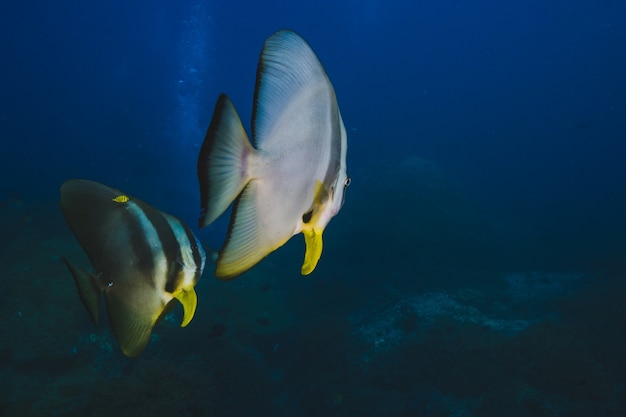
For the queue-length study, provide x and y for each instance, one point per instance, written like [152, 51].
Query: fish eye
[347, 181]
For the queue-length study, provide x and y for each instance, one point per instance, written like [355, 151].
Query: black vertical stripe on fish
[169, 247]
[195, 251]
[135, 229]
[190, 256]
[335, 150]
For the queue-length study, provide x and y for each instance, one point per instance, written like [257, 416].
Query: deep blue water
[487, 148]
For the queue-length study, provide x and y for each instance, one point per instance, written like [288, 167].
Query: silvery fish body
[293, 177]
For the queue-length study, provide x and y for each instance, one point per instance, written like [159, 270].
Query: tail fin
[222, 164]
[88, 289]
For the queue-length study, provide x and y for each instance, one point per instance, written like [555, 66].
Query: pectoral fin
[88, 289]
[313, 242]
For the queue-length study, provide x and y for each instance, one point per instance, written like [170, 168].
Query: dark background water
[523, 103]
[485, 137]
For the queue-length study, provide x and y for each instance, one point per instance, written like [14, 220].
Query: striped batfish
[143, 259]
[292, 178]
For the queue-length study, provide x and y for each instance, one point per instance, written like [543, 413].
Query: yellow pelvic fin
[313, 242]
[121, 199]
[189, 300]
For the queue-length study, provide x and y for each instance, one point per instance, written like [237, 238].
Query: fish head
[192, 260]
[187, 270]
[330, 192]
[332, 205]
[328, 199]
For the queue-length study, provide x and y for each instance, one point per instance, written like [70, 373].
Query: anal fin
[132, 325]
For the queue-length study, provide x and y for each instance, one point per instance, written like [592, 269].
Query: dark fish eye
[347, 181]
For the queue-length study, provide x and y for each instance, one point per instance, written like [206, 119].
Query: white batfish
[292, 178]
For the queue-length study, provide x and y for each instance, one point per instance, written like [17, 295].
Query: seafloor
[429, 310]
